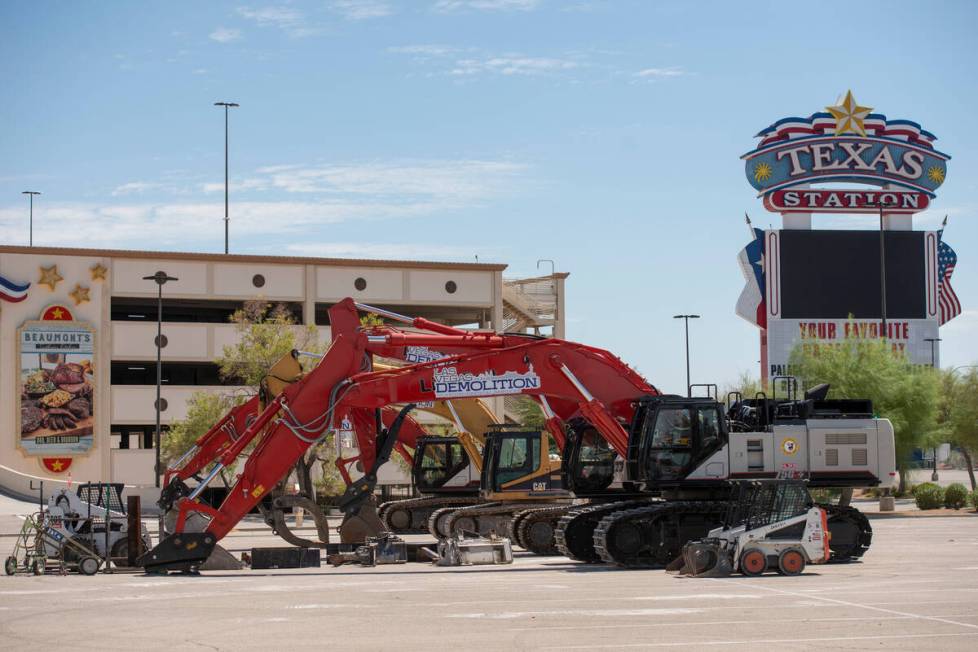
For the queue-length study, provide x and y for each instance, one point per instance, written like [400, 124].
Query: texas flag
[12, 292]
[751, 304]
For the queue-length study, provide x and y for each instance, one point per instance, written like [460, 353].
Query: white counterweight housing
[826, 452]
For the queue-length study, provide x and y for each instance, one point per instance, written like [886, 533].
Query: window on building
[174, 373]
[204, 311]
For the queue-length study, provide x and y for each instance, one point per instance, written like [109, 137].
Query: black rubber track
[575, 530]
[851, 533]
[530, 529]
[420, 510]
[653, 535]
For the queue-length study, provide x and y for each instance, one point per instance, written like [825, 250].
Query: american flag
[946, 260]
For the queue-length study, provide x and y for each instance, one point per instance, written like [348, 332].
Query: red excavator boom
[568, 378]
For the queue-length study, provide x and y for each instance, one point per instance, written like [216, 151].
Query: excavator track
[574, 536]
[535, 529]
[653, 535]
[851, 533]
[485, 518]
[410, 516]
[438, 523]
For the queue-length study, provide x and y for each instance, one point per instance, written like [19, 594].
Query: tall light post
[686, 318]
[30, 235]
[880, 204]
[160, 278]
[933, 355]
[226, 105]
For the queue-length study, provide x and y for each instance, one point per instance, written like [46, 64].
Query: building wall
[446, 288]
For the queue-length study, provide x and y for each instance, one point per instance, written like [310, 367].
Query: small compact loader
[770, 525]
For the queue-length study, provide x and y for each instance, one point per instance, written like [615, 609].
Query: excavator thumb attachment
[185, 551]
[275, 517]
[361, 523]
[703, 559]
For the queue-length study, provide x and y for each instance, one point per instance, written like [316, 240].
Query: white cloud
[660, 73]
[384, 250]
[446, 180]
[225, 34]
[329, 194]
[134, 187]
[188, 225]
[445, 6]
[512, 65]
[361, 9]
[274, 16]
[287, 19]
[426, 50]
[236, 186]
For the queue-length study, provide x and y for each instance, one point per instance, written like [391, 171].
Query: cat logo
[789, 446]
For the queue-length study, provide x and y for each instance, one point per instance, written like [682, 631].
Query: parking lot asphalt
[916, 589]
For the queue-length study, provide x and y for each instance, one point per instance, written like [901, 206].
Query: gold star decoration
[79, 294]
[98, 271]
[57, 465]
[50, 277]
[58, 313]
[936, 175]
[849, 116]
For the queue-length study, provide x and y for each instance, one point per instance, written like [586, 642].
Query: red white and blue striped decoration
[12, 292]
[946, 261]
[823, 124]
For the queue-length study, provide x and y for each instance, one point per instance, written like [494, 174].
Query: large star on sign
[50, 277]
[79, 294]
[849, 116]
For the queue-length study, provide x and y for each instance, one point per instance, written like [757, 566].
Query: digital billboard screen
[834, 274]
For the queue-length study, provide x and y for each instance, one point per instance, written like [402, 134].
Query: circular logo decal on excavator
[789, 446]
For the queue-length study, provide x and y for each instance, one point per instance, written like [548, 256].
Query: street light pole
[160, 278]
[686, 318]
[881, 205]
[226, 105]
[933, 357]
[30, 235]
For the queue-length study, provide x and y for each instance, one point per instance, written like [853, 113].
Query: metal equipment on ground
[466, 550]
[387, 548]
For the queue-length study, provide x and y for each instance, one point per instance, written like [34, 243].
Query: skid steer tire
[753, 562]
[791, 562]
[88, 566]
[37, 567]
[10, 565]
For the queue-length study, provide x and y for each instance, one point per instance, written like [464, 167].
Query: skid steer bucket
[704, 559]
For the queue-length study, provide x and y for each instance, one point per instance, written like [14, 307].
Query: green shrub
[974, 499]
[922, 486]
[931, 497]
[955, 496]
[824, 495]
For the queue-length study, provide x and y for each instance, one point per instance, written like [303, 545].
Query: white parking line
[712, 623]
[853, 604]
[761, 641]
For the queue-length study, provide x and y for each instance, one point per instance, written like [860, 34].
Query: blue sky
[603, 135]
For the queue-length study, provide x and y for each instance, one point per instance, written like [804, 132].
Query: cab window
[709, 424]
[673, 429]
[517, 457]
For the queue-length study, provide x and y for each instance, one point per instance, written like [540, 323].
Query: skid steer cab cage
[758, 503]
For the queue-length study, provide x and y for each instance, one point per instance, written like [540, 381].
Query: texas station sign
[812, 289]
[845, 144]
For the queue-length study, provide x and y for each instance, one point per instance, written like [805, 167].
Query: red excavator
[580, 385]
